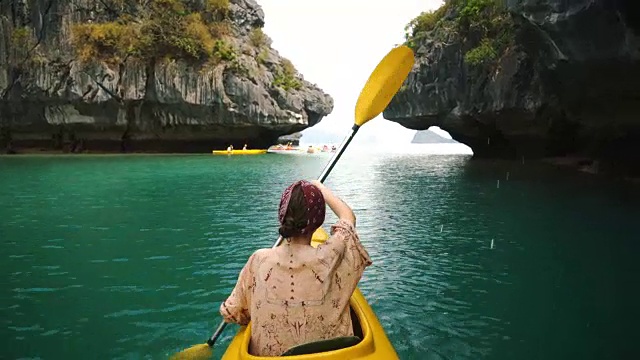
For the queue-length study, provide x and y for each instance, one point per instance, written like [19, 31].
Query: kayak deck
[239, 152]
[374, 344]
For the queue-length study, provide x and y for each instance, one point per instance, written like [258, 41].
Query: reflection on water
[426, 237]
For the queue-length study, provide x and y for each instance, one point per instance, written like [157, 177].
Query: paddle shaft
[341, 149]
[216, 334]
[322, 178]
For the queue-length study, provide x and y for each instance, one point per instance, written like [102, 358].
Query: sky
[336, 44]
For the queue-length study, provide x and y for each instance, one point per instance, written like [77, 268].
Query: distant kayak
[285, 150]
[239, 152]
[298, 150]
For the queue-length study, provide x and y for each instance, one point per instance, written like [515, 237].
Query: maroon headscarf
[315, 205]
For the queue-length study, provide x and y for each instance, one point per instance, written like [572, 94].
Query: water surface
[129, 257]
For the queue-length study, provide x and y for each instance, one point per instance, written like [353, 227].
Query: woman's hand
[318, 184]
[337, 205]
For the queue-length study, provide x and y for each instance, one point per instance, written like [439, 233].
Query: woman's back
[298, 294]
[295, 293]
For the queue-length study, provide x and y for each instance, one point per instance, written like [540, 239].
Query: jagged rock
[567, 85]
[49, 99]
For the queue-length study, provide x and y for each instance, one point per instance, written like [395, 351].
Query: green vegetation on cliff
[196, 32]
[258, 38]
[162, 29]
[286, 76]
[23, 46]
[484, 25]
[421, 25]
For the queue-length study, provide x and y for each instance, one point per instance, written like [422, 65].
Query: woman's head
[302, 210]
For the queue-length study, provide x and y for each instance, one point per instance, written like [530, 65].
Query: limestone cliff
[529, 78]
[146, 75]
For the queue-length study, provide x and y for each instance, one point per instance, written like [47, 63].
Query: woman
[296, 293]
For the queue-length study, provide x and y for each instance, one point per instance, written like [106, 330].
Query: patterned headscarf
[315, 205]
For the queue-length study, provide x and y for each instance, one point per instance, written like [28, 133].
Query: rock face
[565, 83]
[51, 100]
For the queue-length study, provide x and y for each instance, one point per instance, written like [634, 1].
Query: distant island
[430, 137]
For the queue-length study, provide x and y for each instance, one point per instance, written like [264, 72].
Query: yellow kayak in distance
[371, 343]
[240, 152]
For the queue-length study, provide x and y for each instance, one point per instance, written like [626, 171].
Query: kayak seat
[323, 345]
[330, 344]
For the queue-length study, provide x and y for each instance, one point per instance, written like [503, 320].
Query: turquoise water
[129, 257]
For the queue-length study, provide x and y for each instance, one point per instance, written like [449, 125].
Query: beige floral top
[295, 293]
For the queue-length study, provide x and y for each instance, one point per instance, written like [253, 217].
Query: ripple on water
[35, 290]
[159, 257]
[50, 332]
[101, 228]
[169, 287]
[52, 247]
[22, 256]
[124, 313]
[124, 289]
[46, 267]
[31, 328]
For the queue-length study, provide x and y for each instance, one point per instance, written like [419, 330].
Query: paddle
[383, 84]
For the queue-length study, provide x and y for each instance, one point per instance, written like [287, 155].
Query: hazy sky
[336, 44]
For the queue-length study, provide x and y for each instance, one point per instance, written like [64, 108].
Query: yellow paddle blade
[384, 83]
[196, 352]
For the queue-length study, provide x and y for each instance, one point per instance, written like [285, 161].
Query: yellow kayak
[374, 344]
[239, 152]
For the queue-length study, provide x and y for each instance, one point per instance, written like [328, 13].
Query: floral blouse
[295, 293]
